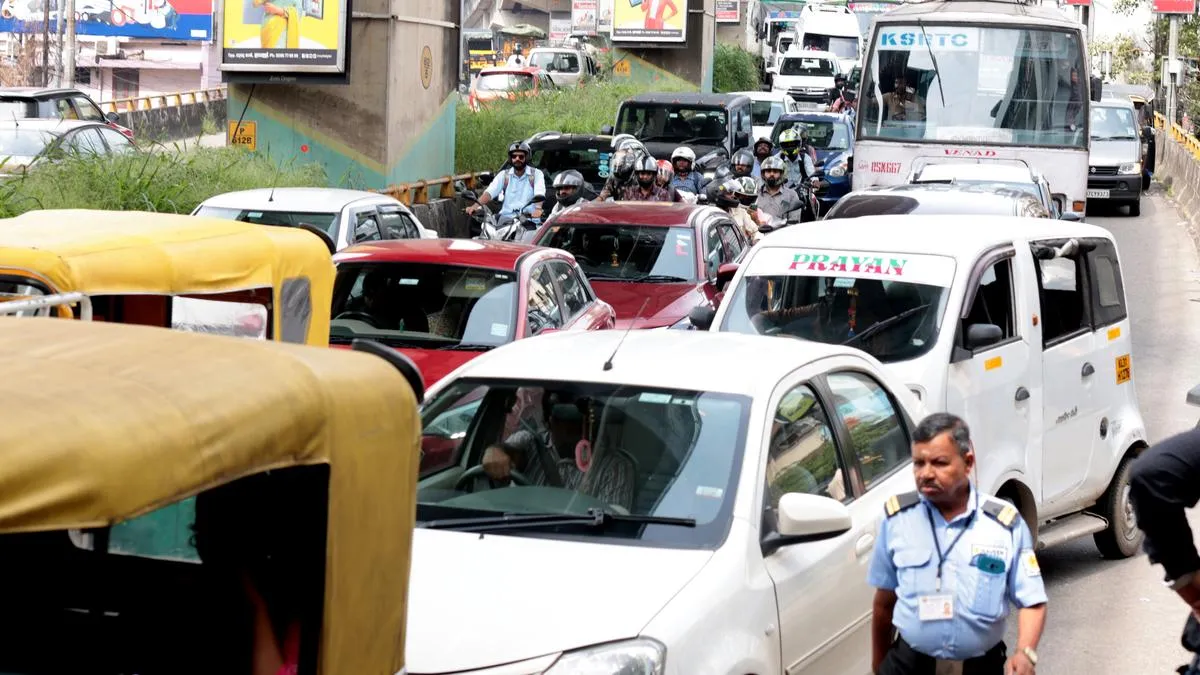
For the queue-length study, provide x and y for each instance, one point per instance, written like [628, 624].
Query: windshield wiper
[933, 60]
[464, 347]
[657, 279]
[605, 276]
[595, 518]
[890, 321]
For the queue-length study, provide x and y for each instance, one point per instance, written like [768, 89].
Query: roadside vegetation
[170, 181]
[734, 69]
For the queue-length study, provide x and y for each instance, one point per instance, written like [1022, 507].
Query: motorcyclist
[567, 187]
[800, 164]
[740, 166]
[647, 189]
[627, 151]
[777, 203]
[839, 89]
[519, 185]
[732, 196]
[686, 179]
[763, 148]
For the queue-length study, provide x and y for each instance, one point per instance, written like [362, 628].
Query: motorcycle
[520, 228]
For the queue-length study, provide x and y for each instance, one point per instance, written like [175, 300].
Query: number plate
[1097, 194]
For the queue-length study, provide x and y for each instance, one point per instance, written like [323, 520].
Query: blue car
[832, 135]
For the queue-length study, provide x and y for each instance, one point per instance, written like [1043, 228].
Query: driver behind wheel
[532, 453]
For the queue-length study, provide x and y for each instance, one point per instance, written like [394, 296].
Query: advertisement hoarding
[284, 37]
[583, 17]
[604, 20]
[560, 28]
[1174, 6]
[727, 11]
[155, 19]
[649, 21]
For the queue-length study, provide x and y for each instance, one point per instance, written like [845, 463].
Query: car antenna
[608, 363]
[274, 182]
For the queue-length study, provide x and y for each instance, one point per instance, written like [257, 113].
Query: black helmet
[839, 78]
[568, 179]
[646, 165]
[727, 197]
[520, 146]
[742, 158]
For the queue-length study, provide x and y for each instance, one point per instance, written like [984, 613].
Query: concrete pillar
[394, 121]
[680, 64]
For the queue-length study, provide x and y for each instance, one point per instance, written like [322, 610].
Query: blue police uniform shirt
[519, 191]
[906, 561]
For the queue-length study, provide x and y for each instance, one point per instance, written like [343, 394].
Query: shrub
[734, 69]
[170, 181]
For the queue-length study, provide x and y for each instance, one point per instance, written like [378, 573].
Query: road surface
[1109, 617]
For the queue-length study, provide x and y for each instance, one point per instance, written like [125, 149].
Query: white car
[807, 77]
[994, 174]
[723, 525]
[348, 217]
[1019, 325]
[766, 107]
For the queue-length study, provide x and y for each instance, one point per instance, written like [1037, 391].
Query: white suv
[1019, 325]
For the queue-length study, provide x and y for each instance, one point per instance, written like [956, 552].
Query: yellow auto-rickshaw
[194, 273]
[186, 504]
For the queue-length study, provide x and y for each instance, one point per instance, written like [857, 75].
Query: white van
[1019, 325]
[831, 28]
[807, 77]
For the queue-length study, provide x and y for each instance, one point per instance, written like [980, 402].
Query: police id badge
[935, 607]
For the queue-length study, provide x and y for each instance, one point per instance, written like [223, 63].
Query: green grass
[734, 69]
[168, 181]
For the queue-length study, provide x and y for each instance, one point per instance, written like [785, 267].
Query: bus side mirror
[1097, 88]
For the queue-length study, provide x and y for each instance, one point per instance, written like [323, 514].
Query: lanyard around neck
[942, 555]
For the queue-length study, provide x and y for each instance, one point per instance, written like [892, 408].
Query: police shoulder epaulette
[1002, 512]
[897, 503]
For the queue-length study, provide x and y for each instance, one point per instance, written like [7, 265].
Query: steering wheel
[359, 316]
[474, 472]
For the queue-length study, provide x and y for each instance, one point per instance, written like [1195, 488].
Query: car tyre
[1122, 538]
[1135, 208]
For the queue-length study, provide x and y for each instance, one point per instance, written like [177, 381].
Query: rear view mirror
[1097, 88]
[702, 316]
[606, 130]
[113, 117]
[802, 517]
[982, 335]
[741, 139]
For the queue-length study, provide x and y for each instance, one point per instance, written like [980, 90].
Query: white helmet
[683, 152]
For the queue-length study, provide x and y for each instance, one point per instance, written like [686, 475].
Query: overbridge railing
[423, 191]
[164, 100]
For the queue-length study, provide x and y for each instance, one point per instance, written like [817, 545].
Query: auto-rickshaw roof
[120, 252]
[105, 422]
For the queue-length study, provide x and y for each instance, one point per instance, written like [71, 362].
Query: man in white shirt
[516, 60]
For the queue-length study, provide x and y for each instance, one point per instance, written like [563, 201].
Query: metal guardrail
[47, 302]
[164, 100]
[1179, 135]
[419, 192]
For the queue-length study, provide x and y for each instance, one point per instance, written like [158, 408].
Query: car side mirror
[702, 316]
[399, 361]
[1147, 132]
[725, 274]
[982, 335]
[113, 117]
[802, 518]
[741, 139]
[606, 130]
[1071, 216]
[1097, 89]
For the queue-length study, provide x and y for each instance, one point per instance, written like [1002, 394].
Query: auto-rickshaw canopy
[104, 422]
[123, 253]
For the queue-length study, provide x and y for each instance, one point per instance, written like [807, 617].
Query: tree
[1127, 63]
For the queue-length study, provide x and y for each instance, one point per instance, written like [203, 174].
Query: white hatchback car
[348, 217]
[766, 107]
[701, 516]
[995, 174]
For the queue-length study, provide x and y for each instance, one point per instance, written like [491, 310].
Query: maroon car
[653, 262]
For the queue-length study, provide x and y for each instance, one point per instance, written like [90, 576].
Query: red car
[444, 301]
[651, 261]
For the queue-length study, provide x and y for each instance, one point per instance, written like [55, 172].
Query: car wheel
[1135, 208]
[1122, 538]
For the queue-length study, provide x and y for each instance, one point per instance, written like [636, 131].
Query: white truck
[765, 20]
[831, 28]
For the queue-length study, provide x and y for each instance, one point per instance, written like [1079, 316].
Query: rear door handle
[1022, 394]
[1088, 370]
[864, 545]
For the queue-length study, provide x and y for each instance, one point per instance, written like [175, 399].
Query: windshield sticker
[936, 38]
[918, 268]
[821, 262]
[408, 282]
[843, 282]
[500, 329]
[474, 285]
[651, 397]
[709, 492]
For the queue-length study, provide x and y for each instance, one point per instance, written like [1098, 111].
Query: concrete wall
[385, 127]
[1178, 169]
[174, 123]
[683, 62]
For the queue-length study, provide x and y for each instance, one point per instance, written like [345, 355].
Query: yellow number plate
[245, 135]
[622, 68]
[1124, 369]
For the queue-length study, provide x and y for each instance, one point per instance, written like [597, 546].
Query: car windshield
[1030, 189]
[765, 113]
[323, 221]
[823, 134]
[841, 47]
[504, 82]
[24, 143]
[672, 123]
[807, 66]
[640, 453]
[627, 252]
[1113, 124]
[422, 305]
[555, 62]
[591, 162]
[889, 305]
[938, 83]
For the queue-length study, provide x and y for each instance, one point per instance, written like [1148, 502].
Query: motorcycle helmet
[773, 164]
[567, 185]
[520, 146]
[746, 191]
[726, 197]
[666, 173]
[646, 169]
[789, 142]
[764, 141]
[628, 151]
[683, 154]
[742, 162]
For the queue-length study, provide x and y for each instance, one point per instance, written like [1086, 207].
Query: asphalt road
[1115, 616]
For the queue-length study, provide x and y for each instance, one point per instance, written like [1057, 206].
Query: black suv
[42, 103]
[713, 125]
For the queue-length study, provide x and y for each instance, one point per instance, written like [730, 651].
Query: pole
[708, 38]
[70, 51]
[1172, 54]
[58, 46]
[45, 43]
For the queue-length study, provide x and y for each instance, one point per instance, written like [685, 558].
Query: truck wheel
[1122, 538]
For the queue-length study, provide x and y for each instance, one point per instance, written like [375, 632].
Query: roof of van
[956, 10]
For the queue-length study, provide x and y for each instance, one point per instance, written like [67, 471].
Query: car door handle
[1022, 394]
[864, 545]
[1088, 370]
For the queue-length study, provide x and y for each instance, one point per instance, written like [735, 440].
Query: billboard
[1174, 6]
[560, 28]
[649, 21]
[155, 19]
[604, 20]
[727, 11]
[583, 17]
[284, 37]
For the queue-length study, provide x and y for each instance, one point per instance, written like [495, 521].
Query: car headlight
[1130, 168]
[642, 656]
[837, 170]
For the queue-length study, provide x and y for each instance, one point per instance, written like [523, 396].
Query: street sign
[245, 135]
[1174, 6]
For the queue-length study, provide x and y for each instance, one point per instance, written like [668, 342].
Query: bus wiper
[933, 59]
[595, 518]
[881, 325]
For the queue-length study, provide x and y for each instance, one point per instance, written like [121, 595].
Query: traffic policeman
[947, 562]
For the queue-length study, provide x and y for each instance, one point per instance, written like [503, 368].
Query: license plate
[1097, 194]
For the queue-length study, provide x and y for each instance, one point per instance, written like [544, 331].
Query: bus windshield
[975, 84]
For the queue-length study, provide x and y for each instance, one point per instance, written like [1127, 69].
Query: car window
[714, 250]
[63, 109]
[397, 224]
[1108, 296]
[87, 109]
[366, 226]
[117, 142]
[87, 141]
[993, 303]
[543, 311]
[878, 438]
[803, 455]
[575, 295]
[731, 243]
[1061, 290]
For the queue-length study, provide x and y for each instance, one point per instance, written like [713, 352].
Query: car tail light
[128, 133]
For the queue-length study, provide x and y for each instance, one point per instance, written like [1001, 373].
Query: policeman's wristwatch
[1030, 654]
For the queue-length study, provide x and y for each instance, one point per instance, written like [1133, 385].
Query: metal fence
[164, 100]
